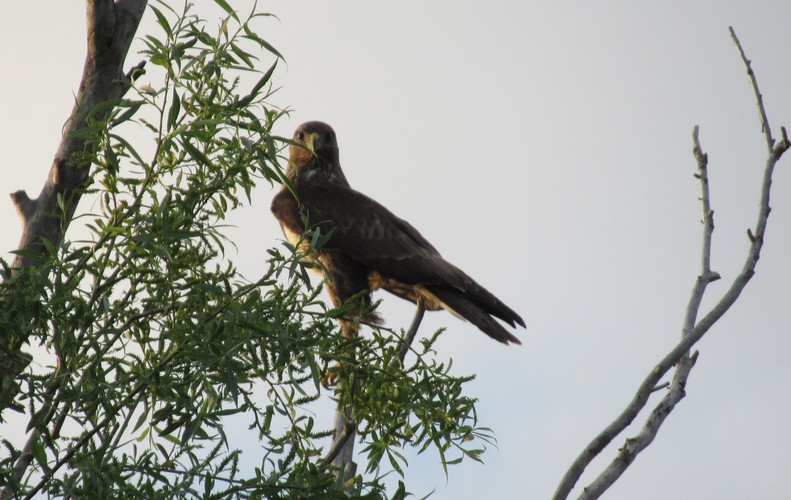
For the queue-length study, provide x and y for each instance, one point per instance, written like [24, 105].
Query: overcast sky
[544, 148]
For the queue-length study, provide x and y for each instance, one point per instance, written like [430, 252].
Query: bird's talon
[332, 377]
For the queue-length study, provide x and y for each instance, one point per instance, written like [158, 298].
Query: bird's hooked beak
[313, 142]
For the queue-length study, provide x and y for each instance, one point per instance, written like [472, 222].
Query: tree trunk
[110, 29]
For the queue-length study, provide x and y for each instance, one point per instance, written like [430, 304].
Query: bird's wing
[369, 233]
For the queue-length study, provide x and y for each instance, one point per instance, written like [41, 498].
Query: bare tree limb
[339, 442]
[758, 97]
[343, 444]
[111, 26]
[675, 394]
[692, 331]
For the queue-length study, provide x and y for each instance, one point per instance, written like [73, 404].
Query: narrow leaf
[175, 109]
[227, 8]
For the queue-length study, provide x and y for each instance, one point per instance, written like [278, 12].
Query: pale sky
[544, 148]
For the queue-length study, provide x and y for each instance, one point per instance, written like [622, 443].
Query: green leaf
[39, 453]
[227, 8]
[195, 153]
[162, 21]
[128, 148]
[263, 43]
[175, 109]
[244, 56]
[265, 78]
[132, 108]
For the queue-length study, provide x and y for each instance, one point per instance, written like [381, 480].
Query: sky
[545, 148]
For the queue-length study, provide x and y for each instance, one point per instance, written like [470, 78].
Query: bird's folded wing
[369, 233]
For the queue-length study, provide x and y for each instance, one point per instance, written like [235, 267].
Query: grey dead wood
[693, 329]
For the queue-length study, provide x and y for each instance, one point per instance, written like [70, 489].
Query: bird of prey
[369, 247]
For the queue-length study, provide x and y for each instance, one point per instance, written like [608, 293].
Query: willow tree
[147, 340]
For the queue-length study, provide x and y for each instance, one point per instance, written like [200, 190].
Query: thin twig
[706, 276]
[661, 386]
[770, 142]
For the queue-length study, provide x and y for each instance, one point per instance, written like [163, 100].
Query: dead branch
[111, 27]
[693, 330]
[770, 142]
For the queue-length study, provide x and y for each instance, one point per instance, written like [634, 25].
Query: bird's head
[313, 157]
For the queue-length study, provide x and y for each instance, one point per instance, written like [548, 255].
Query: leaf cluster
[418, 404]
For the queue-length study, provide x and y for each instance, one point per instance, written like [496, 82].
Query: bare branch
[706, 275]
[770, 142]
[342, 449]
[693, 330]
[111, 27]
[339, 442]
[410, 334]
[633, 446]
[24, 205]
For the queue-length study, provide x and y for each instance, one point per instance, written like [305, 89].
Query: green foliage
[420, 404]
[154, 345]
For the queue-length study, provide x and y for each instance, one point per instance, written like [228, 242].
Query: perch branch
[693, 331]
[410, 334]
[338, 443]
[343, 444]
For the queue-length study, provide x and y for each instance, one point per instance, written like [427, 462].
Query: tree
[154, 340]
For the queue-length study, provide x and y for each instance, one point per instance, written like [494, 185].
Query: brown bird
[370, 247]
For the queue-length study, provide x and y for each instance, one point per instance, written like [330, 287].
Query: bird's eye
[300, 136]
[328, 137]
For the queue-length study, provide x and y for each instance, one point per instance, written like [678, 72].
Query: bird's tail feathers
[473, 311]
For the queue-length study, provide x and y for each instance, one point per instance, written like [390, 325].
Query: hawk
[369, 247]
